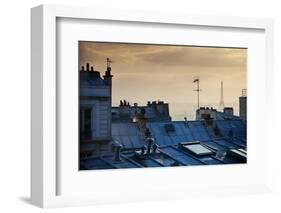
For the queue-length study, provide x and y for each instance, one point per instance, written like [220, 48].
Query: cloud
[154, 56]
[197, 57]
[144, 72]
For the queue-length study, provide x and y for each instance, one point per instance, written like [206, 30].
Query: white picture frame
[45, 168]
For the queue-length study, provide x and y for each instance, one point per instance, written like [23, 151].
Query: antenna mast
[108, 61]
[244, 92]
[197, 81]
[221, 105]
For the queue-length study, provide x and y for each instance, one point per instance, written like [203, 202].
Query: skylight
[198, 149]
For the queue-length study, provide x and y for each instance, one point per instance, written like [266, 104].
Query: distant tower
[197, 81]
[243, 105]
[221, 105]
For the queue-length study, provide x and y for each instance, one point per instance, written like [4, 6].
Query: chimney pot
[149, 144]
[118, 152]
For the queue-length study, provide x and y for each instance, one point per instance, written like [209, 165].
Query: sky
[145, 72]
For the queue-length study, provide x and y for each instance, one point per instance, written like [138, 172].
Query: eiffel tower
[221, 104]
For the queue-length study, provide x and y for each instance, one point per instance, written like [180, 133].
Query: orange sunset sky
[151, 72]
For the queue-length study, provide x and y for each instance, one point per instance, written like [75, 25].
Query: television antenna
[108, 62]
[198, 90]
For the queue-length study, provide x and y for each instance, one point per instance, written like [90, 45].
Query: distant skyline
[150, 72]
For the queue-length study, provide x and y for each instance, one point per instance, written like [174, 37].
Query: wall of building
[243, 108]
[153, 111]
[95, 95]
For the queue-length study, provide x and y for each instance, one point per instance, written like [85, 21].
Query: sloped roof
[127, 134]
[170, 140]
[130, 136]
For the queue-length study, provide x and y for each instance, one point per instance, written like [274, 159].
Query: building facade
[243, 106]
[94, 110]
[153, 111]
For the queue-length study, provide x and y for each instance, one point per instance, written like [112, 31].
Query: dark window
[206, 116]
[85, 123]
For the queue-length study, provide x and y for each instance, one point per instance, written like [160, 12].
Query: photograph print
[152, 105]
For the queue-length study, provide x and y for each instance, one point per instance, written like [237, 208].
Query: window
[85, 119]
[198, 149]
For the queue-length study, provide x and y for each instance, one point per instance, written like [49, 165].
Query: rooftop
[176, 143]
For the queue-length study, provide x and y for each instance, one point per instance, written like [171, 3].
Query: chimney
[243, 106]
[87, 67]
[149, 144]
[118, 152]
